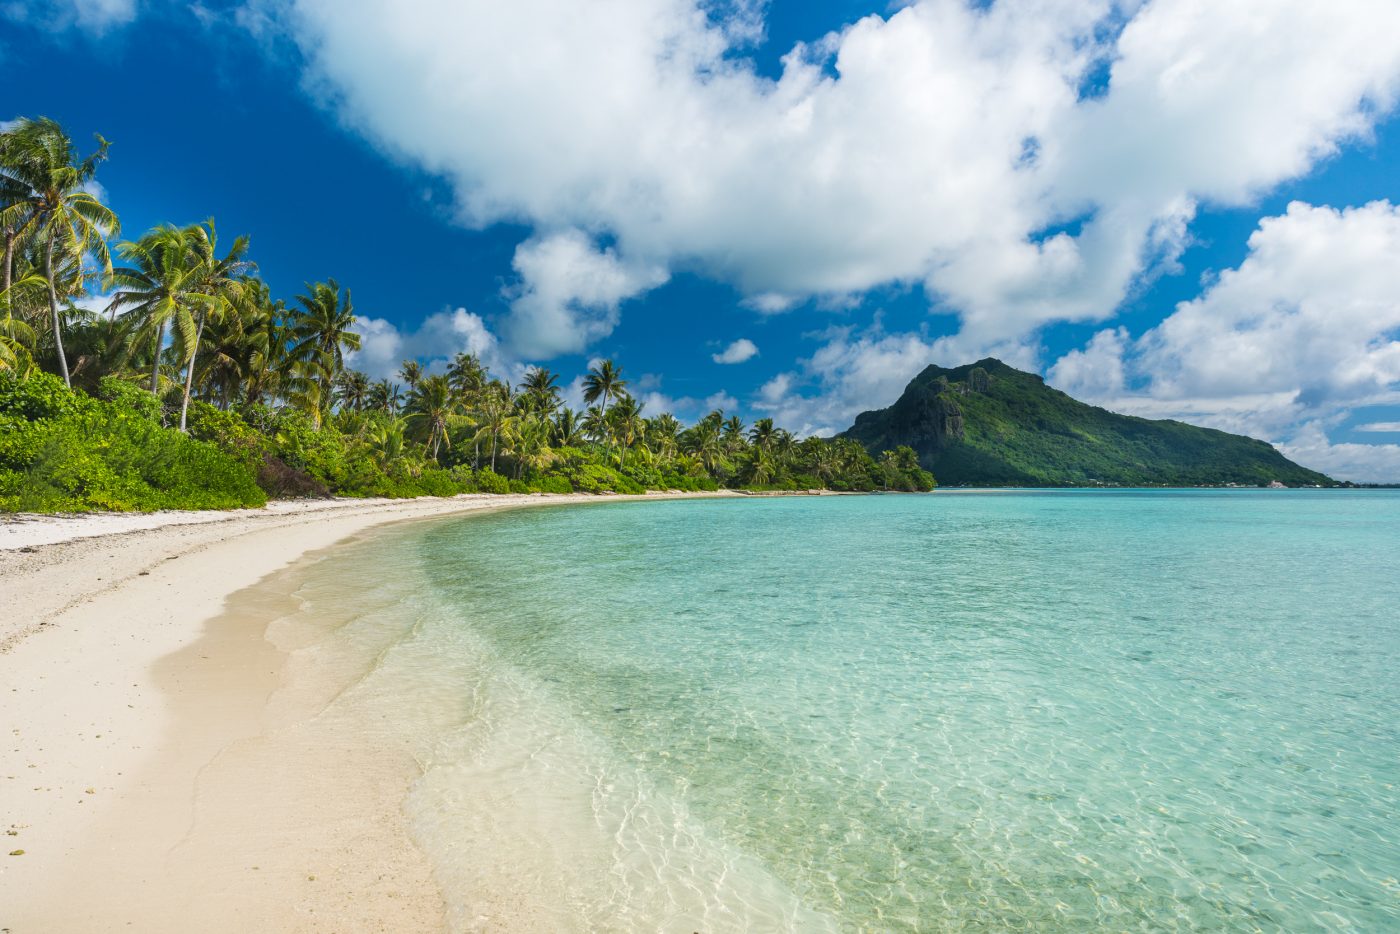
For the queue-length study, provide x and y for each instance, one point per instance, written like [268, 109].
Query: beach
[163, 768]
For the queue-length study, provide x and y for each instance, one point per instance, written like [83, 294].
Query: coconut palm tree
[411, 371]
[663, 432]
[17, 337]
[320, 330]
[763, 434]
[46, 195]
[353, 390]
[157, 288]
[540, 391]
[603, 382]
[568, 431]
[626, 421]
[433, 410]
[384, 396]
[218, 284]
[494, 416]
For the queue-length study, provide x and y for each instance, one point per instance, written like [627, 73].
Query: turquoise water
[1047, 711]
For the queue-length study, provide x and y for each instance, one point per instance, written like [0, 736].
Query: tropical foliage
[190, 385]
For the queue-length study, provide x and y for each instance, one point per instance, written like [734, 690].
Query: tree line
[188, 325]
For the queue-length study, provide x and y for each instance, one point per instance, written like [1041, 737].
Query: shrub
[140, 401]
[551, 484]
[488, 481]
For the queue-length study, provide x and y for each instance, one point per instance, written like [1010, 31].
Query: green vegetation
[195, 388]
[987, 424]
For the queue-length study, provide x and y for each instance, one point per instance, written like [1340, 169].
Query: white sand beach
[147, 780]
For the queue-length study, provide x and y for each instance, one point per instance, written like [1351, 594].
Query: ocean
[965, 711]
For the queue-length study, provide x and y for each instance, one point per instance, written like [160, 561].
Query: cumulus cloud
[569, 293]
[741, 350]
[947, 144]
[1304, 330]
[440, 337]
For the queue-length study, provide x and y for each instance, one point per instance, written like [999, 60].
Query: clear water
[1053, 711]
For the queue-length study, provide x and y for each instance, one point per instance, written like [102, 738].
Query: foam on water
[1036, 711]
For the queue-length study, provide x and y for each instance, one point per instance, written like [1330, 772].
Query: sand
[163, 767]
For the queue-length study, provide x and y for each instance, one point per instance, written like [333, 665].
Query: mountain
[988, 424]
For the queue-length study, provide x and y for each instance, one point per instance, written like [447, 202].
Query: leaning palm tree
[321, 334]
[218, 285]
[46, 196]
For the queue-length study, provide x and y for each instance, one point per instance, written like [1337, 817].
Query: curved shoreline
[130, 672]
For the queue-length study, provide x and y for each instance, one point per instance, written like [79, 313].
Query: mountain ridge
[990, 424]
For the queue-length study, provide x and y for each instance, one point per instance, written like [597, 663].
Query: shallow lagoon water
[1099, 710]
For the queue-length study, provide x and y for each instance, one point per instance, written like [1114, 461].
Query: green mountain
[988, 424]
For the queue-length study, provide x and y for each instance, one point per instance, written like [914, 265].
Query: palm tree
[603, 381]
[412, 373]
[321, 334]
[763, 434]
[467, 375]
[433, 410]
[45, 195]
[16, 337]
[664, 430]
[157, 287]
[353, 390]
[541, 391]
[218, 283]
[384, 397]
[568, 432]
[626, 420]
[494, 416]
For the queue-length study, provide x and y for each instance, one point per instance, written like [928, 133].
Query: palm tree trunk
[10, 238]
[189, 372]
[493, 453]
[155, 360]
[53, 311]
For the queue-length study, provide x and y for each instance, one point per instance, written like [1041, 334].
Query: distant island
[989, 424]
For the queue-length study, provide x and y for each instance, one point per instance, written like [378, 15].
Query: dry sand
[162, 767]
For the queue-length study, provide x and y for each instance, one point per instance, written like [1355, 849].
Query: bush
[551, 484]
[65, 451]
[142, 402]
[488, 481]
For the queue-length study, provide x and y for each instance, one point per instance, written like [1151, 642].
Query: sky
[1173, 208]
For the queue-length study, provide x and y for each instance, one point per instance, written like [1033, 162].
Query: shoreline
[137, 654]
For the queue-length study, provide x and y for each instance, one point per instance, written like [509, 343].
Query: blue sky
[1046, 182]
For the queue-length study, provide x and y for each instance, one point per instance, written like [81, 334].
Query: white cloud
[1304, 330]
[441, 336]
[932, 146]
[741, 350]
[1380, 427]
[1360, 463]
[720, 400]
[569, 293]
